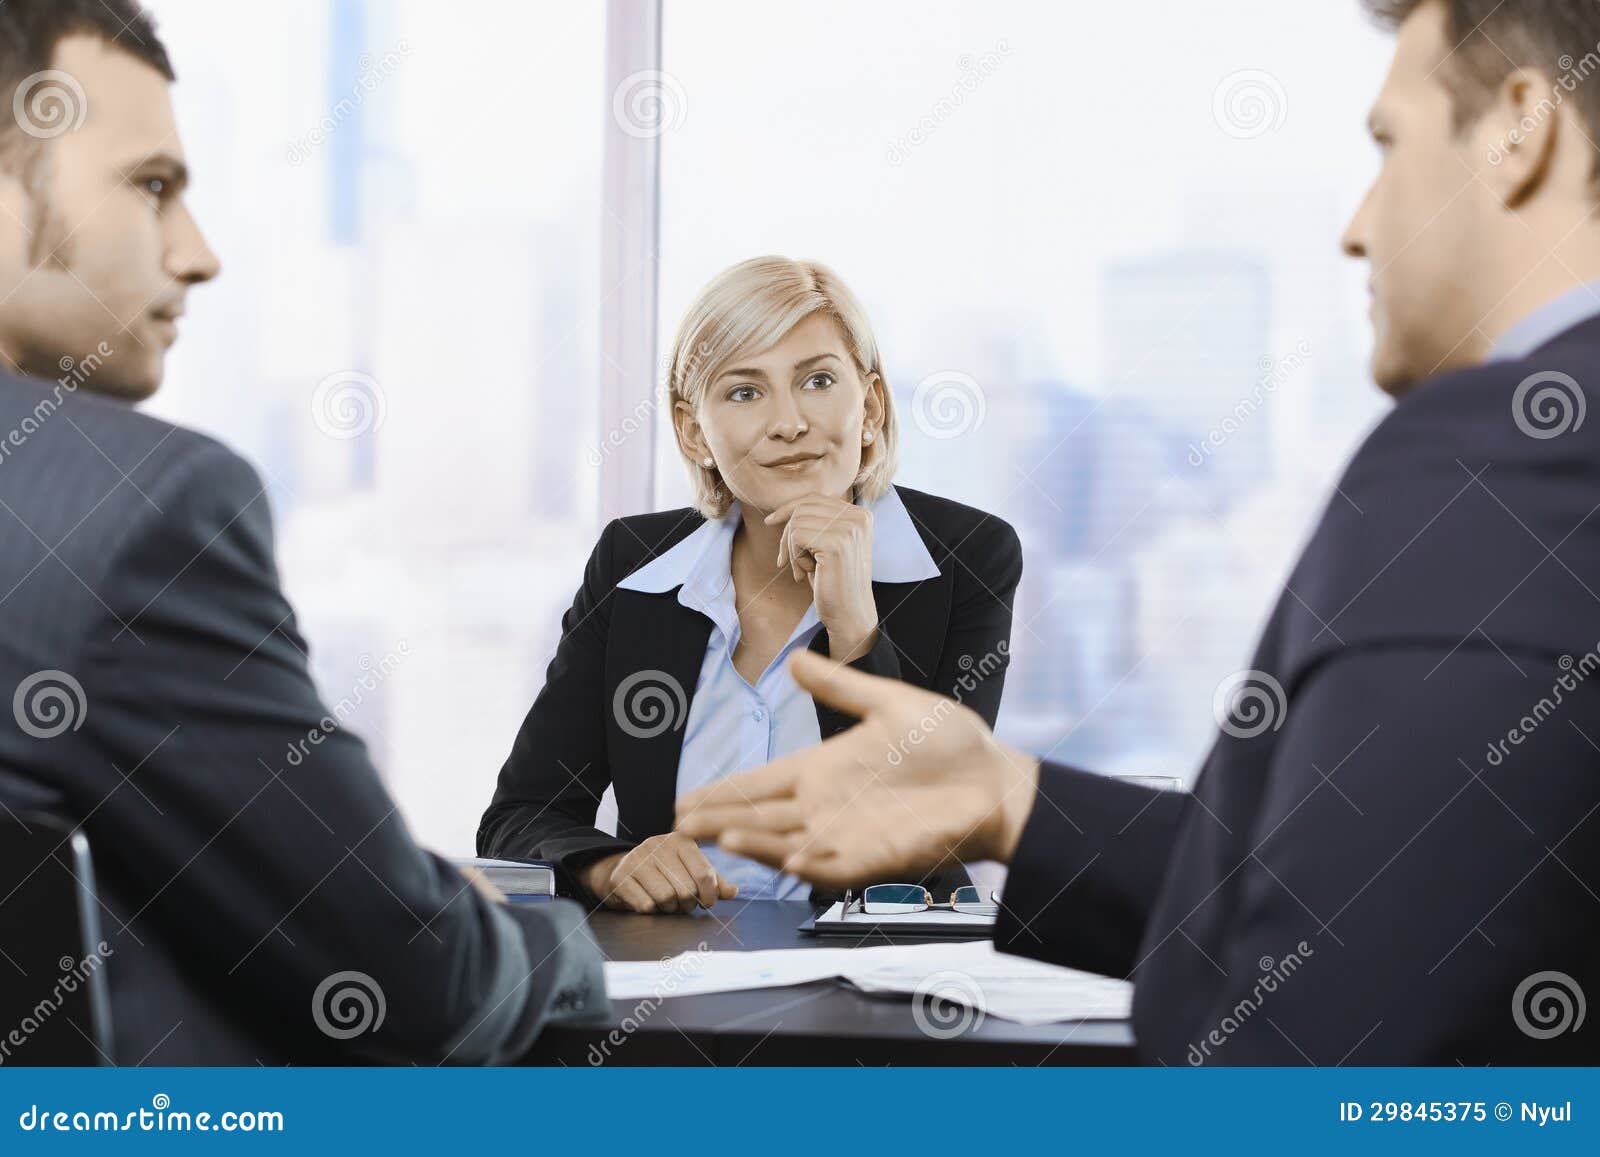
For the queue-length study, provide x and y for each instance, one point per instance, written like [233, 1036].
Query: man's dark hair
[31, 29]
[1561, 38]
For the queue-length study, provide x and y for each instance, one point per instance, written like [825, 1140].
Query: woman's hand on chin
[666, 873]
[829, 541]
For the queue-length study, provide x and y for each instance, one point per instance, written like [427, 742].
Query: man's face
[1423, 224]
[101, 247]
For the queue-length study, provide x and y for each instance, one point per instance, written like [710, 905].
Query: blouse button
[758, 715]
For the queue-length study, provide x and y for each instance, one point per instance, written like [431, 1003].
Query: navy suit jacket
[1393, 856]
[250, 861]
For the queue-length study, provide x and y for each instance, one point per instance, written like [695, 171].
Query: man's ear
[16, 241]
[691, 439]
[1518, 133]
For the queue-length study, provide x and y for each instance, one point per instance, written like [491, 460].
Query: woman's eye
[742, 394]
[153, 187]
[819, 381]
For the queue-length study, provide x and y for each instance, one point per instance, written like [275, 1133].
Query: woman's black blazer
[949, 634]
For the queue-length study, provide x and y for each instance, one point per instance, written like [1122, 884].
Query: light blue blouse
[734, 725]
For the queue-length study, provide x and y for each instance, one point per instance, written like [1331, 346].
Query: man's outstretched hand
[918, 782]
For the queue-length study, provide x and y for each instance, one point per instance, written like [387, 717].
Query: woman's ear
[691, 439]
[872, 419]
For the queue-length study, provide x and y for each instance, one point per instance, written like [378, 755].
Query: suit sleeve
[1087, 870]
[1456, 793]
[252, 825]
[549, 790]
[977, 645]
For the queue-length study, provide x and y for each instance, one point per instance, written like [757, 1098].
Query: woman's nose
[787, 421]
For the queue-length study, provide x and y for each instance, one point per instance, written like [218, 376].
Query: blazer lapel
[653, 660]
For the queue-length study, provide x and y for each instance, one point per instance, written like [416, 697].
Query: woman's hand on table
[664, 874]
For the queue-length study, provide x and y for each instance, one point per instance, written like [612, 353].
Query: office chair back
[55, 1004]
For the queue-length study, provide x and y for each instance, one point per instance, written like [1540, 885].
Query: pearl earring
[708, 462]
[866, 437]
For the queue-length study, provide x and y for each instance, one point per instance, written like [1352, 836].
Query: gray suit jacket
[256, 881]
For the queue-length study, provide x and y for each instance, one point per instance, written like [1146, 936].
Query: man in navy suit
[263, 900]
[1392, 852]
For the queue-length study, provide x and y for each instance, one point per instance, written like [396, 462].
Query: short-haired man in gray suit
[157, 679]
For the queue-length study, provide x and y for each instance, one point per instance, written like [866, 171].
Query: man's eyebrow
[176, 171]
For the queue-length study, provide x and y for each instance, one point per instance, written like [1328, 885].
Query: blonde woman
[671, 672]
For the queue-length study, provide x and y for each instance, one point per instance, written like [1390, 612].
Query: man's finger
[774, 781]
[840, 686]
[827, 869]
[764, 847]
[725, 889]
[771, 815]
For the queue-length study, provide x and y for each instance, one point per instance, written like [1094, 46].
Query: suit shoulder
[80, 453]
[950, 528]
[635, 539]
[1437, 529]
[1527, 412]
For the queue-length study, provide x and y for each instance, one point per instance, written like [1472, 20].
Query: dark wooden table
[825, 1023]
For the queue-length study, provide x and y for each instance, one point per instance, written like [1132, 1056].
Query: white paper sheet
[974, 974]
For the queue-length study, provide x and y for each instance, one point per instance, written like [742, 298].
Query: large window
[1099, 245]
[404, 340]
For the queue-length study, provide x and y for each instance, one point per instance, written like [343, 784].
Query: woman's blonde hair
[747, 310]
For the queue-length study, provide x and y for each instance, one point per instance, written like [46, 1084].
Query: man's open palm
[918, 782]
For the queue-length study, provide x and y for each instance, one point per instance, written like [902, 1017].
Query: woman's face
[787, 422]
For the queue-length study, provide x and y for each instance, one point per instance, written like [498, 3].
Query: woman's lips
[795, 466]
